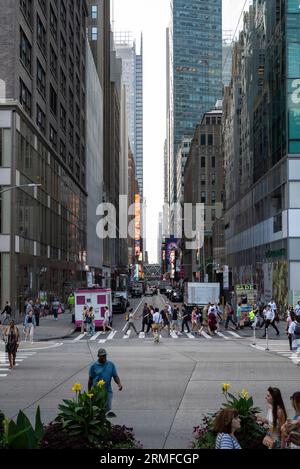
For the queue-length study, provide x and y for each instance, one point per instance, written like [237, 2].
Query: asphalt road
[167, 386]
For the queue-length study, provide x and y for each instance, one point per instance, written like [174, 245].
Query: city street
[167, 386]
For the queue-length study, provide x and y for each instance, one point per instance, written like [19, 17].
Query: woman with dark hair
[276, 418]
[12, 339]
[292, 426]
[226, 423]
[290, 318]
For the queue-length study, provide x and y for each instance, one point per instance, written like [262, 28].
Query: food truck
[96, 297]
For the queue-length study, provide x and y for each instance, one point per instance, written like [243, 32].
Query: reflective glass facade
[293, 74]
[195, 64]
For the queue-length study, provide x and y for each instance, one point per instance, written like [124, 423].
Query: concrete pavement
[167, 386]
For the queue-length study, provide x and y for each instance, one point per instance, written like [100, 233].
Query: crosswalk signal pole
[267, 338]
[254, 334]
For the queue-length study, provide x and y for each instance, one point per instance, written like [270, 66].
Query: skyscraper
[132, 75]
[194, 70]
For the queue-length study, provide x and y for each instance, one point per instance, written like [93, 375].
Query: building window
[63, 152]
[203, 140]
[203, 180]
[25, 51]
[71, 133]
[63, 14]
[25, 97]
[71, 101]
[94, 34]
[63, 48]
[203, 197]
[53, 62]
[213, 198]
[207, 121]
[40, 119]
[63, 83]
[40, 79]
[213, 215]
[53, 23]
[213, 162]
[26, 8]
[203, 162]
[213, 179]
[53, 100]
[94, 9]
[210, 139]
[41, 35]
[63, 119]
[53, 137]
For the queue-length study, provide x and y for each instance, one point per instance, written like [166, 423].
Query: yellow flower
[90, 395]
[244, 394]
[101, 383]
[77, 387]
[226, 387]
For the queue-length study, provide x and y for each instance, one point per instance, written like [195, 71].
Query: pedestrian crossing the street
[280, 348]
[102, 338]
[4, 363]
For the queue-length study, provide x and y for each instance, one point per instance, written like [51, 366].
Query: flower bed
[251, 433]
[82, 423]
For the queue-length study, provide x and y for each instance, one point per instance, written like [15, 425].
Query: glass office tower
[195, 68]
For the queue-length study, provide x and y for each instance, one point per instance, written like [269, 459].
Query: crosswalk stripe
[126, 336]
[79, 337]
[102, 341]
[3, 376]
[94, 337]
[189, 335]
[222, 335]
[234, 334]
[205, 335]
[112, 335]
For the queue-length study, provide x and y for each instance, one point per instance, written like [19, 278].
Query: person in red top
[212, 322]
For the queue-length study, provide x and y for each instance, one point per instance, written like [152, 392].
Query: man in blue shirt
[104, 370]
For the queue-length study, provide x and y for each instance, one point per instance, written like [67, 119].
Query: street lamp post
[10, 188]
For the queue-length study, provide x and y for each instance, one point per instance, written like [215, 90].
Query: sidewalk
[50, 329]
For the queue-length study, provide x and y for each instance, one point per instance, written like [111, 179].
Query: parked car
[119, 304]
[176, 296]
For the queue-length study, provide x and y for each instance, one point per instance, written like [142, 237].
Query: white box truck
[200, 294]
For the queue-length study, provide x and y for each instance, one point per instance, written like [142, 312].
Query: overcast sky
[152, 18]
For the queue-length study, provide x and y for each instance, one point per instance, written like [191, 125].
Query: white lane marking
[102, 341]
[234, 334]
[94, 337]
[222, 335]
[258, 347]
[126, 336]
[79, 337]
[112, 335]
[189, 335]
[205, 335]
[58, 344]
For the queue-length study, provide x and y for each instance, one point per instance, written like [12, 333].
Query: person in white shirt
[156, 325]
[130, 323]
[297, 309]
[269, 320]
[106, 320]
[273, 307]
[294, 330]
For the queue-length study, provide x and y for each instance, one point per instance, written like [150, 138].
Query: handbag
[269, 441]
[293, 432]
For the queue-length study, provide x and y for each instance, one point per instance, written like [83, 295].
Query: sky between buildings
[152, 18]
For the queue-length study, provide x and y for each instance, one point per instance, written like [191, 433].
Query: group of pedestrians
[279, 427]
[88, 320]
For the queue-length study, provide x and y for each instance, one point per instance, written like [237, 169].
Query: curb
[48, 339]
